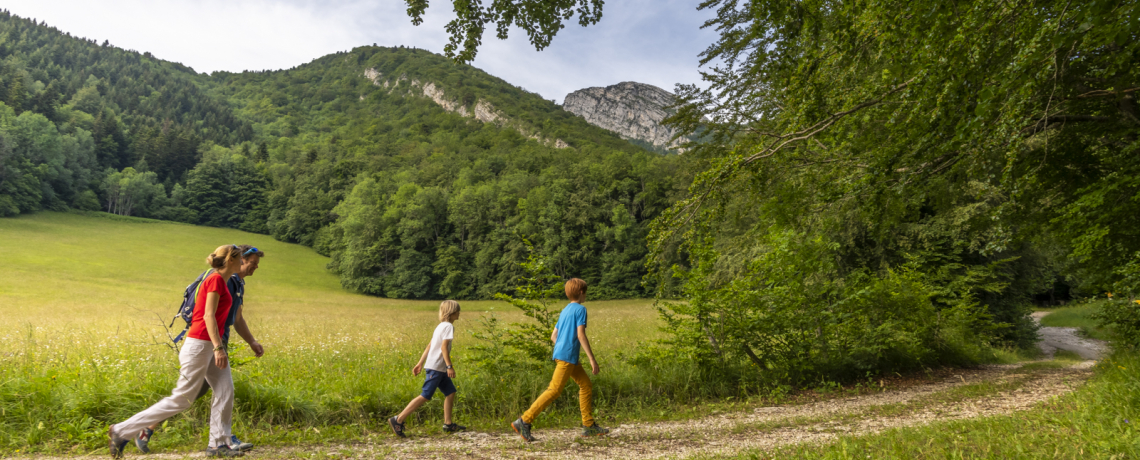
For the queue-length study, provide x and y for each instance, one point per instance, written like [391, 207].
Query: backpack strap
[197, 288]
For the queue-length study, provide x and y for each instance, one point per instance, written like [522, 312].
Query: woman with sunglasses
[203, 357]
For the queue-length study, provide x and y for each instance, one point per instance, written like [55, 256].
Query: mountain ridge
[632, 110]
[434, 190]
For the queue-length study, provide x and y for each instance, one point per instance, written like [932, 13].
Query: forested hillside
[422, 178]
[413, 200]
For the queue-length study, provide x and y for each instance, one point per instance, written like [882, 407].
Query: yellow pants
[562, 372]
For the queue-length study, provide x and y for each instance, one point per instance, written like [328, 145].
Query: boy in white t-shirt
[436, 361]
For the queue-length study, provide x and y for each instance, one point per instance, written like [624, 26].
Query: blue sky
[649, 41]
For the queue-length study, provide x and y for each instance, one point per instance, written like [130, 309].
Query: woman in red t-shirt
[203, 357]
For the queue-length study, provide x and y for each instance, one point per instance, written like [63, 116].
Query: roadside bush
[1120, 315]
[1122, 319]
[793, 316]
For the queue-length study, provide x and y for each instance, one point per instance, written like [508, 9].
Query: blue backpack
[189, 298]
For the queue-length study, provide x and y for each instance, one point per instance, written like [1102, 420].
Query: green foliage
[41, 67]
[540, 20]
[41, 167]
[1122, 319]
[1120, 314]
[413, 201]
[75, 109]
[129, 191]
[788, 313]
[953, 142]
[226, 190]
[538, 287]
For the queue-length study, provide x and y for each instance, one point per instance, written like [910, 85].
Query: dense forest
[892, 185]
[345, 154]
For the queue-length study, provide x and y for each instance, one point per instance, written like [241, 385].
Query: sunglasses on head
[246, 253]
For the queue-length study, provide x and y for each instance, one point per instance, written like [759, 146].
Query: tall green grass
[85, 300]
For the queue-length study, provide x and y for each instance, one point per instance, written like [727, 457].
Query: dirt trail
[1012, 389]
[1066, 338]
[1003, 389]
[764, 427]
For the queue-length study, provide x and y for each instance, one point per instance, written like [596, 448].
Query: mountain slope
[288, 102]
[108, 91]
[436, 185]
[413, 195]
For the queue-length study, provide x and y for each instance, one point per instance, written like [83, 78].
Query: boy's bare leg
[412, 406]
[448, 403]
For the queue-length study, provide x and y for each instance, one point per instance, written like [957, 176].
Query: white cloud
[650, 41]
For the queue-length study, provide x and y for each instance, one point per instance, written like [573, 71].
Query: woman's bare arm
[221, 359]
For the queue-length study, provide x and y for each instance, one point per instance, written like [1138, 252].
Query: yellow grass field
[115, 280]
[85, 300]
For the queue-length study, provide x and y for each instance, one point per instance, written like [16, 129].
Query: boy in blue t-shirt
[569, 337]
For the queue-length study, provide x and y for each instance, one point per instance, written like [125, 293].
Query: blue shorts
[437, 379]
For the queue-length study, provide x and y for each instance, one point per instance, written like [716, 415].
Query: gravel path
[757, 428]
[1066, 338]
[1012, 389]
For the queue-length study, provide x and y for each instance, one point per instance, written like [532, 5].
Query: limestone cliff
[630, 109]
[482, 111]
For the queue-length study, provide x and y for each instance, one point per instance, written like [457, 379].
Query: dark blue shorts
[437, 379]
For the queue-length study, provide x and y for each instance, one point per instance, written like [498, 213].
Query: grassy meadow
[85, 300]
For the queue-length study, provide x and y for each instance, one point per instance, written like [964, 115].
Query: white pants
[197, 358]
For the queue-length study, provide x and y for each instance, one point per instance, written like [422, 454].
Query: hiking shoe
[453, 428]
[223, 451]
[523, 429]
[594, 430]
[143, 439]
[397, 427]
[115, 444]
[236, 444]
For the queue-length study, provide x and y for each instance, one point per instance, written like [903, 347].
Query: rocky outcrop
[482, 111]
[630, 109]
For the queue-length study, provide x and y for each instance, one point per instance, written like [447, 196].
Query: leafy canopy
[937, 151]
[541, 19]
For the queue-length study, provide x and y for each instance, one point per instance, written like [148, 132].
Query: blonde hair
[223, 255]
[447, 308]
[575, 288]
